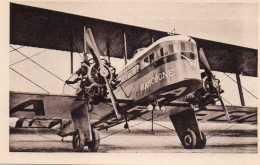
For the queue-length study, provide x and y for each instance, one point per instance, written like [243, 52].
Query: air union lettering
[157, 78]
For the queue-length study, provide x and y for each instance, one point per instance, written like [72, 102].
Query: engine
[92, 84]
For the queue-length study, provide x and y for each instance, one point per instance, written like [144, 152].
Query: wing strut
[125, 57]
[71, 53]
[240, 90]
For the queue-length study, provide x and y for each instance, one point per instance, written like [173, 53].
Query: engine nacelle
[95, 85]
[95, 77]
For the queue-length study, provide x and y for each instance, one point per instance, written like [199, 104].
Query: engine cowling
[95, 77]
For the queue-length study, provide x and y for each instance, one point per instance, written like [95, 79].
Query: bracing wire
[27, 58]
[241, 86]
[16, 49]
[29, 80]
[41, 66]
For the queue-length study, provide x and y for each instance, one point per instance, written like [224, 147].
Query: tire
[189, 140]
[78, 141]
[201, 143]
[94, 145]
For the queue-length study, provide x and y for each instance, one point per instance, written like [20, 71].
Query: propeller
[214, 83]
[91, 47]
[205, 63]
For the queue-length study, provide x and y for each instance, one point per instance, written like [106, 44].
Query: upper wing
[43, 28]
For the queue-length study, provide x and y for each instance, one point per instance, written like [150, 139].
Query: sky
[230, 23]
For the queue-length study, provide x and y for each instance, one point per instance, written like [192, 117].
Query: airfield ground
[221, 138]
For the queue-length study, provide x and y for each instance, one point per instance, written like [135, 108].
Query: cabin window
[188, 46]
[138, 67]
[171, 48]
[160, 62]
[171, 58]
[152, 58]
[182, 46]
[146, 62]
[161, 52]
[166, 52]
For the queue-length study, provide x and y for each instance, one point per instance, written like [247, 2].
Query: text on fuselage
[156, 79]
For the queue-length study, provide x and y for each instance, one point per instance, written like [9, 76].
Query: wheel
[201, 143]
[78, 141]
[94, 145]
[189, 140]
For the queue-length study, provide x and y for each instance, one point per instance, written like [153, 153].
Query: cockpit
[188, 50]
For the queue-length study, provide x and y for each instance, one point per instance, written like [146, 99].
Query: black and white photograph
[132, 77]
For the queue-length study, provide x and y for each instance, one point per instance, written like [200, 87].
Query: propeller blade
[91, 44]
[204, 61]
[223, 106]
[92, 47]
[113, 99]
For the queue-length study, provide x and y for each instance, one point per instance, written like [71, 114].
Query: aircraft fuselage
[168, 67]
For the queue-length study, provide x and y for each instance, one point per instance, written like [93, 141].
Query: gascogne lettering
[157, 78]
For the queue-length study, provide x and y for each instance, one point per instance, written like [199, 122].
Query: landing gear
[94, 145]
[84, 134]
[189, 139]
[79, 141]
[187, 128]
[201, 143]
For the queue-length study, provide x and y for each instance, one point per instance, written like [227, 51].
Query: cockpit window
[171, 48]
[187, 46]
[183, 46]
[192, 47]
[189, 55]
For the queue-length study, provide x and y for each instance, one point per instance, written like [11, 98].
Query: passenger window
[171, 58]
[161, 52]
[146, 62]
[182, 46]
[138, 67]
[171, 48]
[152, 58]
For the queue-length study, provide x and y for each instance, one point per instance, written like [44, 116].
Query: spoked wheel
[189, 140]
[78, 141]
[94, 145]
[201, 143]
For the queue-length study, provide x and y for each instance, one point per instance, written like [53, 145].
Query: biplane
[163, 73]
